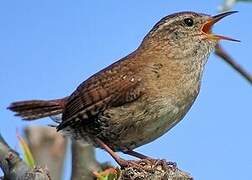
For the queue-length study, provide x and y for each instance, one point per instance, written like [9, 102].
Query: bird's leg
[136, 164]
[136, 154]
[118, 159]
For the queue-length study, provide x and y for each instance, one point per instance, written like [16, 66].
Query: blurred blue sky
[48, 47]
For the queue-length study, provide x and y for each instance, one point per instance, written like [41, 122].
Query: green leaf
[108, 174]
[28, 158]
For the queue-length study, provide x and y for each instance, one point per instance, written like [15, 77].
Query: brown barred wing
[97, 94]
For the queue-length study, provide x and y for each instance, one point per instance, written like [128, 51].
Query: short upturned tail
[35, 109]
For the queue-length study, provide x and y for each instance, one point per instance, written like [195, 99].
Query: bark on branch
[153, 170]
[15, 168]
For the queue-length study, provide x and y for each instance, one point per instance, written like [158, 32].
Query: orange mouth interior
[207, 27]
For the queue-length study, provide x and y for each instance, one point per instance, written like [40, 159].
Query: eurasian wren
[143, 95]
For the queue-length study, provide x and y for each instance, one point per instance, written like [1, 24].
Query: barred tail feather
[35, 109]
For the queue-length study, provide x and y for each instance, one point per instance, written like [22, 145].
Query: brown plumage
[143, 95]
[96, 94]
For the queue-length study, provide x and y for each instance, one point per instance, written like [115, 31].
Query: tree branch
[150, 169]
[15, 168]
[48, 148]
[83, 161]
[219, 51]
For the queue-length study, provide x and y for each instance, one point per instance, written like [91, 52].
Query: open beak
[207, 27]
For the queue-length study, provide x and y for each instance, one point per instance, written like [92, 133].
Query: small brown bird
[143, 95]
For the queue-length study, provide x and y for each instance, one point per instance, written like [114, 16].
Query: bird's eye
[189, 22]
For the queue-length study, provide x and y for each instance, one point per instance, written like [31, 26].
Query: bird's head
[187, 32]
